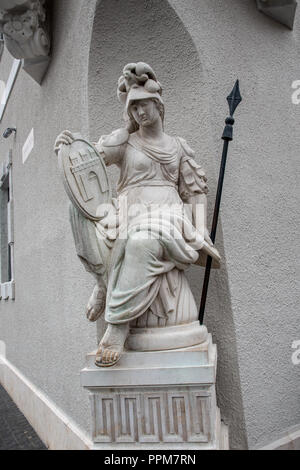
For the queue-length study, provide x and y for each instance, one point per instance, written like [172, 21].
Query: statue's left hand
[64, 138]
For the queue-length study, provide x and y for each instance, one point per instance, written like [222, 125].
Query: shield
[85, 177]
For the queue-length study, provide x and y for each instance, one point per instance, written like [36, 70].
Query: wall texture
[260, 205]
[198, 49]
[45, 329]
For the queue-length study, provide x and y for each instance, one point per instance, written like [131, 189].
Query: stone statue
[139, 246]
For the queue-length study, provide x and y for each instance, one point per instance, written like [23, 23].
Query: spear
[234, 100]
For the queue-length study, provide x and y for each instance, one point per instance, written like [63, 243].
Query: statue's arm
[112, 147]
[198, 204]
[193, 189]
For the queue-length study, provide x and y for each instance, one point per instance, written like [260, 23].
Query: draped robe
[159, 234]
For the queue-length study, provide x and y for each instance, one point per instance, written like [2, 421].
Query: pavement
[15, 431]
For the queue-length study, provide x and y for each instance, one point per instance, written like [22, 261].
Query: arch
[148, 31]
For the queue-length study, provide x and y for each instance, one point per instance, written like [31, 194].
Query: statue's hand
[64, 138]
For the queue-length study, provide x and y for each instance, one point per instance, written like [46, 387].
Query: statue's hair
[131, 124]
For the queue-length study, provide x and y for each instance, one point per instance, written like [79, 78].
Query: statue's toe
[96, 305]
[106, 357]
[93, 313]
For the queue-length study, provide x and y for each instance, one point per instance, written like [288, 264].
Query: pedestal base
[156, 400]
[162, 339]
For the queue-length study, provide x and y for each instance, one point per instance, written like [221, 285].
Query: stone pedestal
[156, 400]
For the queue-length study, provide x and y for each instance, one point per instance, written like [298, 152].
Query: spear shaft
[233, 100]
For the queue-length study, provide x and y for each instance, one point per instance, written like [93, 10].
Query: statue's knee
[140, 243]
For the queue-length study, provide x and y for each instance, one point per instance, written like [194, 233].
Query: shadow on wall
[150, 31]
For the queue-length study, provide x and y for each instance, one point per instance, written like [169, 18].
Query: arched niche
[148, 31]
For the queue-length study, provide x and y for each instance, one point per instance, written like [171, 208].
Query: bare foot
[112, 345]
[96, 304]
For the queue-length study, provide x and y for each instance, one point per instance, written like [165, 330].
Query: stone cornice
[25, 30]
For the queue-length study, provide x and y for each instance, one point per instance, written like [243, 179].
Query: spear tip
[234, 98]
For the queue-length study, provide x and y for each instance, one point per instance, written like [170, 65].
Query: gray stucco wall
[45, 329]
[198, 49]
[260, 205]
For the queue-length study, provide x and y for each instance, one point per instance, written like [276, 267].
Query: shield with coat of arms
[85, 177]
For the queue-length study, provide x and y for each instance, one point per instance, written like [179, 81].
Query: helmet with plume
[138, 82]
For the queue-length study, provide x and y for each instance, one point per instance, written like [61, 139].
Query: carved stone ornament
[24, 27]
[163, 400]
[85, 177]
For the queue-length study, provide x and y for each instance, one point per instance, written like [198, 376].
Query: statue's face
[144, 112]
